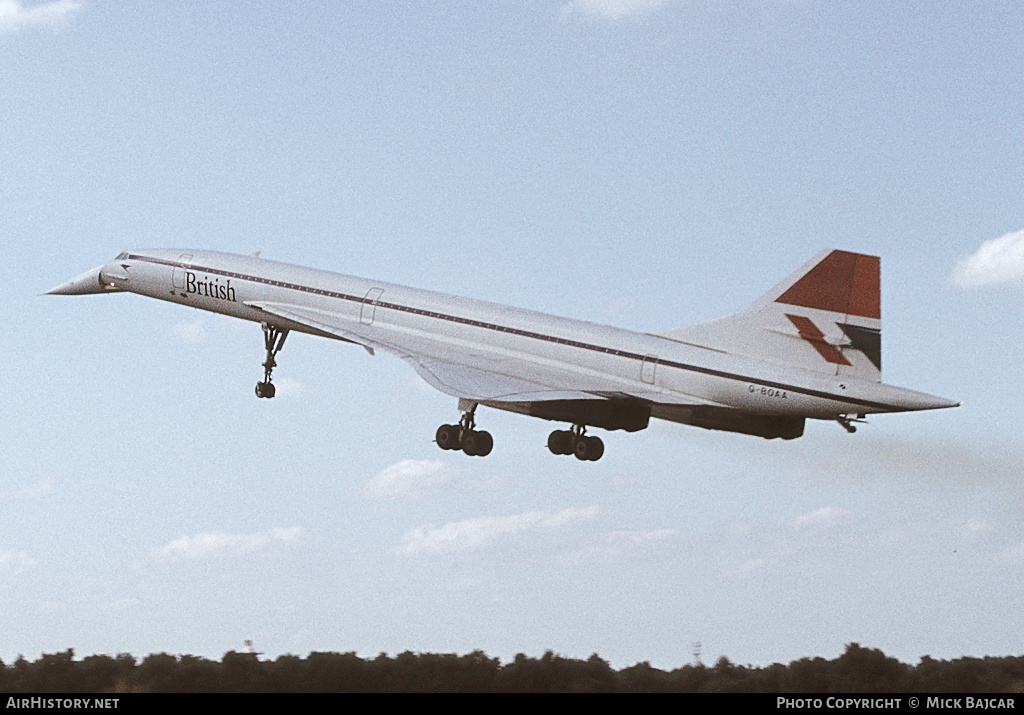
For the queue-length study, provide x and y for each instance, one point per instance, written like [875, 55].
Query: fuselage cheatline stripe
[505, 329]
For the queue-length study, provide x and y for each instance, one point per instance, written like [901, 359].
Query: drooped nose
[96, 280]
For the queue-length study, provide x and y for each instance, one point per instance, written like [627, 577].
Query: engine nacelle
[767, 426]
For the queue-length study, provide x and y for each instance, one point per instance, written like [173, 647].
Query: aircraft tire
[447, 437]
[487, 444]
[560, 442]
[589, 449]
[477, 444]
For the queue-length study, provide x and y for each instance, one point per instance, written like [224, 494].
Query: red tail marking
[812, 334]
[842, 282]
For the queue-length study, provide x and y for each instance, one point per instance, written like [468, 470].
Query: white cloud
[474, 534]
[14, 563]
[30, 491]
[634, 544]
[771, 556]
[409, 478]
[977, 526]
[748, 567]
[998, 261]
[1012, 555]
[37, 490]
[810, 528]
[610, 9]
[14, 16]
[640, 538]
[217, 544]
[192, 333]
[826, 516]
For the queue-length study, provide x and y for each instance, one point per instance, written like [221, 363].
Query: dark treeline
[856, 670]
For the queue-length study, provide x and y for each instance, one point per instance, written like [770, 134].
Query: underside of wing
[463, 381]
[514, 385]
[472, 383]
[319, 322]
[529, 398]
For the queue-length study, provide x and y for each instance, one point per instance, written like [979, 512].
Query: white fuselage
[578, 358]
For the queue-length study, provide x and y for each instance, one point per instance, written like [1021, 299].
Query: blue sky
[643, 163]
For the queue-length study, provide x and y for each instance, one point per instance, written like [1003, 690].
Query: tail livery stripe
[867, 340]
[812, 334]
[842, 282]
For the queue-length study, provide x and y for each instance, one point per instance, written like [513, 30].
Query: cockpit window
[122, 256]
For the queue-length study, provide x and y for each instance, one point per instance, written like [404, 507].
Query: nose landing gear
[273, 339]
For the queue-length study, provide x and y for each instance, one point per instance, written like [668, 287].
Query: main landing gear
[575, 441]
[273, 338]
[477, 443]
[465, 436]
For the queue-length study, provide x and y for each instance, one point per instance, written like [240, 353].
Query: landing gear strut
[273, 339]
[465, 436]
[575, 441]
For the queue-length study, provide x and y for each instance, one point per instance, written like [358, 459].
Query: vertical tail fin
[825, 317]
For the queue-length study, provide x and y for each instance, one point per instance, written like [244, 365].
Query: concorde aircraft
[808, 348]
